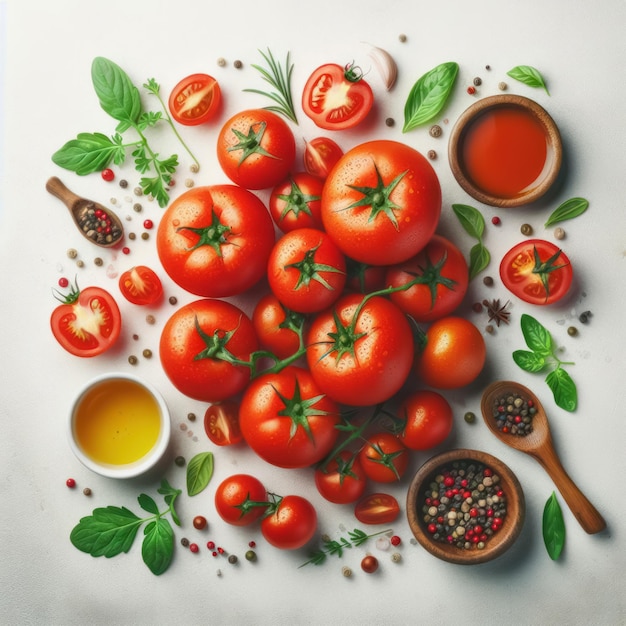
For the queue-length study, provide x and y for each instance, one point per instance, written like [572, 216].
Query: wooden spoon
[82, 212]
[538, 443]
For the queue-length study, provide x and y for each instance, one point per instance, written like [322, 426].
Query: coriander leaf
[529, 76]
[479, 258]
[199, 472]
[148, 504]
[553, 527]
[106, 532]
[529, 361]
[148, 119]
[537, 337]
[567, 210]
[471, 219]
[153, 186]
[88, 153]
[563, 389]
[157, 547]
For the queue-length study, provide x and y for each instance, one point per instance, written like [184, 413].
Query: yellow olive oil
[117, 422]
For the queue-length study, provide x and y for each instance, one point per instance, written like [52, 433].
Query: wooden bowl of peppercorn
[465, 506]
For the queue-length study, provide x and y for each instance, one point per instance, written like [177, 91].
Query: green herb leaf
[479, 259]
[148, 504]
[356, 537]
[553, 527]
[88, 153]
[169, 495]
[529, 361]
[537, 337]
[529, 76]
[567, 210]
[157, 548]
[471, 219]
[199, 472]
[563, 389]
[429, 95]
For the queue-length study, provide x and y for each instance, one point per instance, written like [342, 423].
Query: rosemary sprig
[280, 79]
[331, 546]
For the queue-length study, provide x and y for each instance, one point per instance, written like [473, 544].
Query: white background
[47, 50]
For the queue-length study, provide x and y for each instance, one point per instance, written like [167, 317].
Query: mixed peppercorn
[514, 414]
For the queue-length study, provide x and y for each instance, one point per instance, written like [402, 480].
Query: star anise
[497, 312]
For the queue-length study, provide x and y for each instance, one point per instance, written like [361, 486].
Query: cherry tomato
[296, 201]
[291, 525]
[87, 323]
[277, 327]
[428, 420]
[199, 522]
[342, 480]
[141, 285]
[384, 458]
[221, 423]
[256, 149]
[306, 270]
[377, 508]
[336, 97]
[454, 354]
[215, 241]
[369, 564]
[536, 271]
[191, 342]
[320, 156]
[195, 100]
[444, 273]
[239, 499]
[381, 203]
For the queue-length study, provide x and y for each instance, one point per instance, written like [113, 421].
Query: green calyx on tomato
[544, 268]
[216, 345]
[310, 270]
[213, 235]
[353, 73]
[251, 143]
[432, 277]
[386, 459]
[296, 201]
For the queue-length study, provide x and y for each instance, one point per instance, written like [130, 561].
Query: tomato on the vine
[320, 156]
[241, 499]
[427, 420]
[377, 508]
[364, 278]
[221, 423]
[381, 203]
[215, 241]
[296, 202]
[141, 285]
[196, 99]
[536, 271]
[384, 458]
[337, 98]
[256, 149]
[291, 525]
[342, 480]
[88, 322]
[277, 327]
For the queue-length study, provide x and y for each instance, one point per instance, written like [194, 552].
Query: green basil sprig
[429, 95]
[543, 355]
[567, 210]
[553, 527]
[199, 472]
[529, 76]
[474, 224]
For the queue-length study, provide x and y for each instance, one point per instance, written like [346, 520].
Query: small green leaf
[537, 337]
[148, 504]
[429, 95]
[157, 547]
[563, 389]
[479, 259]
[567, 210]
[169, 495]
[529, 76]
[199, 472]
[529, 361]
[553, 527]
[88, 153]
[471, 219]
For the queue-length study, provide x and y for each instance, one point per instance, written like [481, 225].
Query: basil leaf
[169, 495]
[116, 92]
[529, 76]
[529, 361]
[567, 210]
[471, 219]
[157, 548]
[563, 389]
[429, 95]
[88, 153]
[553, 527]
[106, 532]
[478, 259]
[148, 504]
[537, 337]
[199, 472]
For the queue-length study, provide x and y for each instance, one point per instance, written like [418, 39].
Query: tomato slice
[195, 99]
[377, 508]
[141, 285]
[320, 156]
[221, 423]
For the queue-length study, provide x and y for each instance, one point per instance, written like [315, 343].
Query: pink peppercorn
[495, 220]
[471, 90]
[395, 540]
[63, 282]
[193, 547]
[71, 483]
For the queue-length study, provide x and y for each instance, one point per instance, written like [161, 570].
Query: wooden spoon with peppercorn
[96, 223]
[504, 405]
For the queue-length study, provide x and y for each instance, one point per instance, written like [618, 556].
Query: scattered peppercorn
[221, 61]
[488, 281]
[194, 547]
[251, 544]
[396, 557]
[251, 555]
[147, 353]
[132, 236]
[184, 542]
[71, 483]
[108, 175]
[63, 282]
[210, 545]
[502, 86]
[232, 559]
[432, 155]
[435, 131]
[514, 414]
[72, 254]
[572, 331]
[584, 317]
[173, 300]
[395, 540]
[123, 183]
[86, 491]
[471, 90]
[98, 261]
[194, 167]
[145, 236]
[191, 417]
[478, 81]
[477, 307]
[126, 250]
[137, 207]
[495, 220]
[189, 182]
[132, 359]
[199, 522]
[150, 319]
[526, 229]
[148, 224]
[80, 263]
[237, 64]
[180, 461]
[470, 417]
[559, 233]
[490, 329]
[346, 571]
[390, 122]
[138, 191]
[487, 67]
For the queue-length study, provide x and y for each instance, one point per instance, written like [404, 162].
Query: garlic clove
[385, 65]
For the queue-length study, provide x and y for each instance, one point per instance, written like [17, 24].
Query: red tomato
[141, 285]
[368, 357]
[454, 354]
[221, 423]
[342, 480]
[295, 202]
[241, 499]
[444, 277]
[381, 203]
[192, 340]
[536, 271]
[336, 98]
[364, 278]
[287, 420]
[306, 270]
[377, 508]
[277, 327]
[428, 420]
[384, 458]
[291, 525]
[256, 149]
[195, 100]
[87, 323]
[215, 241]
[320, 156]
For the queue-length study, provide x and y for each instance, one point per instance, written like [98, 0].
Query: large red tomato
[215, 241]
[241, 499]
[381, 203]
[427, 418]
[196, 343]
[360, 352]
[287, 420]
[291, 524]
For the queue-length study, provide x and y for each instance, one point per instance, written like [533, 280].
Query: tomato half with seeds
[141, 285]
[291, 524]
[382, 202]
[321, 155]
[296, 202]
[195, 100]
[88, 322]
[536, 271]
[377, 508]
[342, 480]
[337, 98]
[427, 420]
[384, 458]
[221, 423]
[241, 499]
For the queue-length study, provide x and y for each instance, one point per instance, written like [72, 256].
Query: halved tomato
[141, 285]
[320, 156]
[377, 508]
[195, 99]
[221, 423]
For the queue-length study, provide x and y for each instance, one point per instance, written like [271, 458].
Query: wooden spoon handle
[60, 191]
[586, 514]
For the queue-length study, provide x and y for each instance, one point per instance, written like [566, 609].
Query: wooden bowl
[512, 146]
[499, 541]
